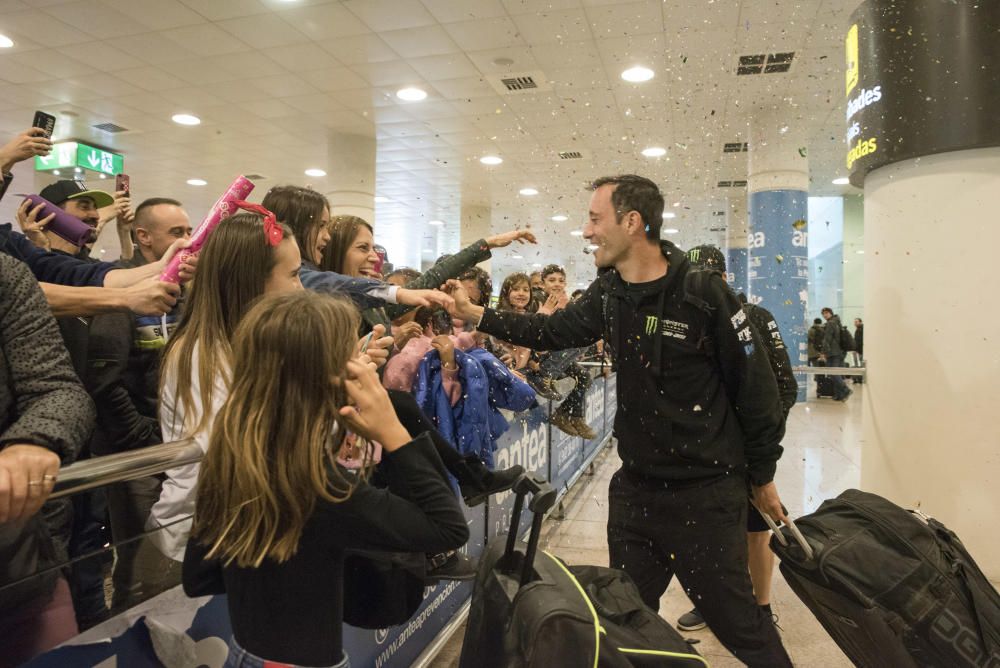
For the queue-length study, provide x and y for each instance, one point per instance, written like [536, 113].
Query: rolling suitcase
[892, 587]
[531, 609]
[824, 386]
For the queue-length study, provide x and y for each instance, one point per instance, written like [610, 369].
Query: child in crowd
[276, 513]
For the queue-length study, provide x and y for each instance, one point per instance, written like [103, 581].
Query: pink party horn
[66, 225]
[222, 209]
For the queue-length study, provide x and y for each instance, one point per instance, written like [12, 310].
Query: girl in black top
[275, 513]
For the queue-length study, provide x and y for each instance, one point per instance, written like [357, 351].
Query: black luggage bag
[531, 609]
[824, 384]
[892, 587]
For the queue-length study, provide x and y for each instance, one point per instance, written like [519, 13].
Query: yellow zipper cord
[656, 652]
[590, 606]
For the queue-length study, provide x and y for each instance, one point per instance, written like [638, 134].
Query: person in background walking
[833, 353]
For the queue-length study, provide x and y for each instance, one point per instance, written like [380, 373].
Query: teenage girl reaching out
[275, 512]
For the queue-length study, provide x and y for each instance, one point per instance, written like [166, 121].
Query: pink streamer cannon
[222, 209]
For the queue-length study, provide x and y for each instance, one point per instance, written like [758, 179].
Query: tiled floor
[822, 458]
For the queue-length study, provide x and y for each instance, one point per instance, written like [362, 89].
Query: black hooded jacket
[697, 399]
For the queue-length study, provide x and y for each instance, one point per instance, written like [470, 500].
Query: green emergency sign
[78, 154]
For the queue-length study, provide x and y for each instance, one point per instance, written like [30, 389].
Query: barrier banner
[525, 443]
[566, 458]
[594, 407]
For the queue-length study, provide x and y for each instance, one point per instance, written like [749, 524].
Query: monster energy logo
[651, 321]
[694, 255]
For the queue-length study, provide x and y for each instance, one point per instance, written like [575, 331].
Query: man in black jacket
[698, 413]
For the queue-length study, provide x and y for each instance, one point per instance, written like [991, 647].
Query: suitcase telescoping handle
[543, 497]
[799, 538]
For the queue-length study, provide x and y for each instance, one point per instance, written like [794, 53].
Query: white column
[932, 440]
[737, 229]
[351, 176]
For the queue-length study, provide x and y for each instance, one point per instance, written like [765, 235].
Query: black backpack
[846, 340]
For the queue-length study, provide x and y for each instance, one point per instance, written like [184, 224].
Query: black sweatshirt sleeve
[777, 354]
[750, 383]
[418, 513]
[450, 267]
[576, 326]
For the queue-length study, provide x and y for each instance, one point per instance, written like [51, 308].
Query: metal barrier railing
[108, 469]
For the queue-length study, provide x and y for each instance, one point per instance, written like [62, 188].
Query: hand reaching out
[505, 239]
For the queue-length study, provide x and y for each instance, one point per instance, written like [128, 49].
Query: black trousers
[699, 534]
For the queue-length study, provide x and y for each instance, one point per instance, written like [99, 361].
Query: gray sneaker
[691, 621]
[564, 385]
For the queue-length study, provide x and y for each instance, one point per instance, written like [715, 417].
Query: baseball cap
[60, 191]
[709, 257]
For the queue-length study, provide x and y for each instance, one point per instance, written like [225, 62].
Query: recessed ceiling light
[56, 172]
[560, 218]
[637, 74]
[379, 199]
[516, 257]
[860, 252]
[185, 119]
[528, 192]
[676, 204]
[411, 94]
[491, 160]
[669, 214]
[537, 264]
[312, 171]
[577, 233]
[102, 175]
[842, 181]
[77, 170]
[671, 230]
[436, 222]
[6, 42]
[654, 152]
[197, 182]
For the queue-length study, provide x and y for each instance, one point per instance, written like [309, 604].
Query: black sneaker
[691, 621]
[774, 618]
[846, 396]
[450, 566]
[477, 483]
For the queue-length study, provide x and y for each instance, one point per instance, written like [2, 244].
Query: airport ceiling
[272, 79]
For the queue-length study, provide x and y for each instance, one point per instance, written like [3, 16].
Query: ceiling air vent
[739, 184]
[735, 147]
[570, 155]
[110, 128]
[716, 229]
[761, 63]
[718, 213]
[732, 184]
[255, 177]
[519, 83]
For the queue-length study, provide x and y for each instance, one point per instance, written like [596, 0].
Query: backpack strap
[695, 292]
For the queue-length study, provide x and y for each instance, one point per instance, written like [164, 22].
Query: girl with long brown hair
[246, 256]
[275, 512]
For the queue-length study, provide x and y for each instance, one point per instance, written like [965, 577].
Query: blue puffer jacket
[462, 424]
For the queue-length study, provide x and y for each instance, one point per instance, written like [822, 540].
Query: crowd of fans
[283, 325]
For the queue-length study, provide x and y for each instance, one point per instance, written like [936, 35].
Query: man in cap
[76, 199]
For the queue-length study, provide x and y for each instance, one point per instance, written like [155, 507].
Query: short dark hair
[553, 269]
[483, 282]
[406, 272]
[142, 210]
[817, 321]
[826, 309]
[635, 193]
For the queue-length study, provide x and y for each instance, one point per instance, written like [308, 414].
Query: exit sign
[78, 154]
